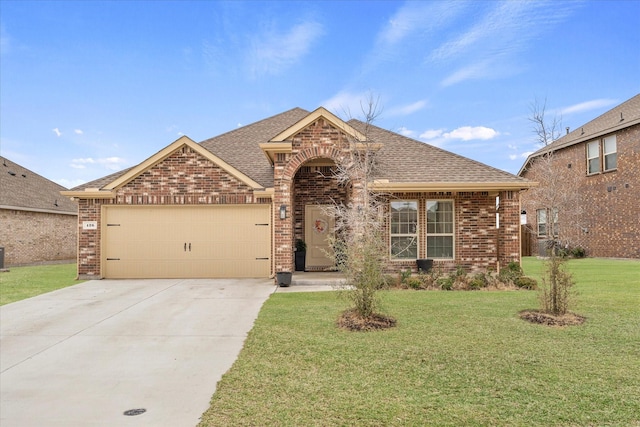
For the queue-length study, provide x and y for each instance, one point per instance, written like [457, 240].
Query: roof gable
[321, 112]
[108, 189]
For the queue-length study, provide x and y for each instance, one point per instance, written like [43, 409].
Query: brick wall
[320, 140]
[476, 236]
[34, 237]
[610, 221]
[183, 178]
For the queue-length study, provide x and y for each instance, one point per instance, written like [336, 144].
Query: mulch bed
[351, 321]
[542, 318]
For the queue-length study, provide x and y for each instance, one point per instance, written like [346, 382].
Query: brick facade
[610, 221]
[33, 237]
[479, 245]
[302, 176]
[183, 178]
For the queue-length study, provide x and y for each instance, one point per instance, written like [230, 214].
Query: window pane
[541, 215]
[593, 150]
[594, 165]
[440, 246]
[404, 247]
[609, 145]
[611, 161]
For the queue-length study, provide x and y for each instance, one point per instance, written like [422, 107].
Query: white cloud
[273, 52]
[110, 163]
[493, 42]
[405, 110]
[468, 133]
[57, 131]
[439, 137]
[588, 105]
[406, 132]
[431, 134]
[78, 131]
[526, 154]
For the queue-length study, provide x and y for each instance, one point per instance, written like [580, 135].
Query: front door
[318, 227]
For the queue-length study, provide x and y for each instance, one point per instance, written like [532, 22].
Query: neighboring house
[604, 158]
[37, 224]
[233, 205]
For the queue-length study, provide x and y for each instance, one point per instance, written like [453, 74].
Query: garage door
[186, 241]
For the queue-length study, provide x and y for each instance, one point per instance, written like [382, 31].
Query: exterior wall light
[283, 211]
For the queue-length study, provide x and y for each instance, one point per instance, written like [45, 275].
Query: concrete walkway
[84, 355]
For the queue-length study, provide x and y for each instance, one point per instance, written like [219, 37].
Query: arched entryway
[315, 190]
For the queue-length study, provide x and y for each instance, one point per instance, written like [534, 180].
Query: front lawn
[455, 358]
[26, 282]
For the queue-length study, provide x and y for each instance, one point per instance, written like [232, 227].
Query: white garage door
[186, 241]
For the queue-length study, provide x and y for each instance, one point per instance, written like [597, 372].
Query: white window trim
[416, 235]
[546, 225]
[605, 154]
[597, 156]
[453, 229]
[601, 154]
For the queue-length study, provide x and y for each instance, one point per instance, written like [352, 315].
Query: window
[593, 157]
[404, 229]
[440, 229]
[541, 215]
[609, 159]
[610, 153]
[543, 226]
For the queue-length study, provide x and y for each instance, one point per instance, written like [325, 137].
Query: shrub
[413, 282]
[510, 273]
[526, 282]
[445, 283]
[478, 281]
[578, 252]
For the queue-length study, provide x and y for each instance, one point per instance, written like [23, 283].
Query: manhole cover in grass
[133, 412]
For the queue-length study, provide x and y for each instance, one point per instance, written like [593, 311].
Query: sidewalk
[311, 281]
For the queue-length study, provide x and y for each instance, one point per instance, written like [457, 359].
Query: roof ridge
[254, 123]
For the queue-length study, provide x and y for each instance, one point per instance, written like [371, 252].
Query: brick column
[509, 232]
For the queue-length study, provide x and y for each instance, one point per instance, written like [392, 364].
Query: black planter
[424, 265]
[284, 278]
[301, 257]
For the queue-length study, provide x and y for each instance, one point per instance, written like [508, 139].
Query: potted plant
[300, 255]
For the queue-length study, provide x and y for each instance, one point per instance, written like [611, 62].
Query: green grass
[26, 282]
[455, 359]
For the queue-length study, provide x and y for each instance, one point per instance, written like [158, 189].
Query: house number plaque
[89, 225]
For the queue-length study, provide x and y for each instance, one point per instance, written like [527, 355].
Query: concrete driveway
[84, 355]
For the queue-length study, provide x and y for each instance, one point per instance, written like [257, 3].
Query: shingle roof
[23, 189]
[402, 159]
[620, 117]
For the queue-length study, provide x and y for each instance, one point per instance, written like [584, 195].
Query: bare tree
[558, 201]
[546, 131]
[359, 243]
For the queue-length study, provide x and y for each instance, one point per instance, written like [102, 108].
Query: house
[602, 157]
[233, 205]
[37, 224]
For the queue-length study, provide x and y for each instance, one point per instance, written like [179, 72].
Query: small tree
[558, 195]
[359, 243]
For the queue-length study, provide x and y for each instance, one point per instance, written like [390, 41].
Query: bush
[479, 281]
[526, 282]
[578, 252]
[413, 282]
[510, 273]
[445, 283]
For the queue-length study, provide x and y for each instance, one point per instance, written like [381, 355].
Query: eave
[415, 187]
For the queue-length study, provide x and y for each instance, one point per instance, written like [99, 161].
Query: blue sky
[89, 87]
